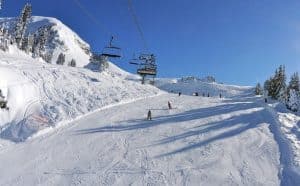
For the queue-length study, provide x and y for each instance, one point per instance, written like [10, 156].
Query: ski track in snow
[204, 141]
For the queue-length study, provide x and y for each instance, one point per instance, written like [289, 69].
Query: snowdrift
[42, 95]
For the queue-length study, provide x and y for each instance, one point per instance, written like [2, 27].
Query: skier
[179, 93]
[169, 105]
[1, 95]
[266, 100]
[196, 94]
[220, 95]
[207, 94]
[149, 116]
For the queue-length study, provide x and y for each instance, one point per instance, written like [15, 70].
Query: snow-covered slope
[61, 39]
[204, 141]
[192, 85]
[41, 95]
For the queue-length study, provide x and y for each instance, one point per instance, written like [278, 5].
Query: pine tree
[24, 43]
[258, 89]
[281, 86]
[60, 59]
[42, 39]
[294, 101]
[276, 86]
[72, 63]
[30, 42]
[267, 87]
[36, 46]
[294, 82]
[21, 25]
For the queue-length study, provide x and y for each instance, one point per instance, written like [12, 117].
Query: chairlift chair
[146, 66]
[111, 51]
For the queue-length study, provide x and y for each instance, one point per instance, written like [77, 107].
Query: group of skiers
[197, 94]
[149, 115]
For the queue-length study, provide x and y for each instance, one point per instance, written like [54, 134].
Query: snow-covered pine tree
[24, 44]
[281, 87]
[60, 59]
[294, 82]
[294, 100]
[277, 85]
[30, 42]
[22, 24]
[103, 63]
[258, 89]
[47, 57]
[43, 34]
[2, 39]
[267, 86]
[35, 46]
[72, 63]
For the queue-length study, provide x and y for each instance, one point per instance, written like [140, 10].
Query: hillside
[42, 95]
[60, 39]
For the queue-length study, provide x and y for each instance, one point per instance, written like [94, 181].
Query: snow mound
[191, 85]
[42, 95]
[61, 39]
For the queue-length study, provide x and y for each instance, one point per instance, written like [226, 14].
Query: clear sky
[237, 41]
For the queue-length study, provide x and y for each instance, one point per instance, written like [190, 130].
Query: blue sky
[237, 41]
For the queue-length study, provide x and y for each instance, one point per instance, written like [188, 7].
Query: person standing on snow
[149, 115]
[169, 105]
[179, 93]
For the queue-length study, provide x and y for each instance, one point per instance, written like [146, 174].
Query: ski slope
[202, 141]
[42, 96]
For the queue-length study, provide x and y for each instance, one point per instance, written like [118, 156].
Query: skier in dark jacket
[169, 105]
[149, 115]
[179, 93]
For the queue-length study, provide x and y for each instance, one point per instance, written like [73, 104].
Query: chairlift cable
[91, 17]
[136, 22]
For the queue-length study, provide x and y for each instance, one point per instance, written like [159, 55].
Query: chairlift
[111, 51]
[146, 66]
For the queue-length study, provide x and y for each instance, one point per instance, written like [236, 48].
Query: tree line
[276, 88]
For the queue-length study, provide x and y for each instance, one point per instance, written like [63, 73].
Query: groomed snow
[206, 141]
